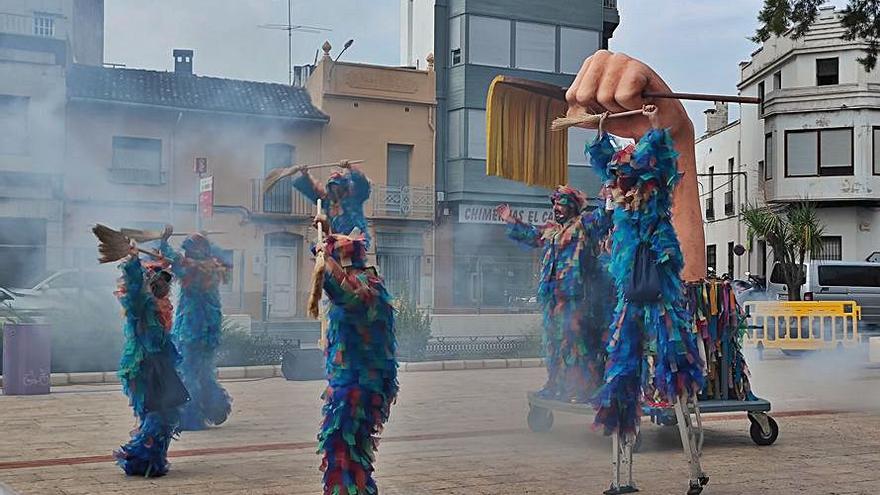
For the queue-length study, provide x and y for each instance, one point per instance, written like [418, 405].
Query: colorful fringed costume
[720, 323]
[344, 209]
[197, 324]
[146, 370]
[652, 353]
[361, 367]
[573, 323]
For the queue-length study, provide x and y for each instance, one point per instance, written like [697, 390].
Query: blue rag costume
[361, 368]
[345, 211]
[197, 326]
[146, 371]
[652, 352]
[573, 323]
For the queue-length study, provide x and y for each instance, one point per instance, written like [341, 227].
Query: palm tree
[792, 231]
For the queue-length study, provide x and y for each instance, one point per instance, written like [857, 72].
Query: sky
[695, 45]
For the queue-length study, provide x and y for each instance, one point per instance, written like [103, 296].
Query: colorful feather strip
[147, 452]
[146, 330]
[361, 372]
[197, 332]
[651, 344]
[573, 324]
[346, 211]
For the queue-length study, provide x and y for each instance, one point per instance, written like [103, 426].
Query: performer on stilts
[652, 355]
[197, 327]
[342, 199]
[573, 323]
[360, 362]
[147, 366]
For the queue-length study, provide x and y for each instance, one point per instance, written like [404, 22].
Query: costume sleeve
[596, 223]
[657, 146]
[174, 258]
[306, 185]
[360, 185]
[345, 289]
[132, 294]
[525, 234]
[601, 150]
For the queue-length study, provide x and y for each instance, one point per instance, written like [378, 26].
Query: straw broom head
[317, 286]
[276, 175]
[563, 123]
[112, 244]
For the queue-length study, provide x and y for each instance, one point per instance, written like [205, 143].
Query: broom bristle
[112, 245]
[141, 235]
[274, 176]
[519, 143]
[562, 123]
[317, 286]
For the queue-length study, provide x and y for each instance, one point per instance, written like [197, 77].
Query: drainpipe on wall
[171, 171]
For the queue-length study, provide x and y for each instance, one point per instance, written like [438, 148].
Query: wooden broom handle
[704, 97]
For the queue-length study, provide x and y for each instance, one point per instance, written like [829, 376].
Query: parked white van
[837, 281]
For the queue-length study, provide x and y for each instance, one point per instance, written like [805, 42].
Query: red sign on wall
[206, 197]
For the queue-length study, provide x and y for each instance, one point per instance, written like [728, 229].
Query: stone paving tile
[815, 454]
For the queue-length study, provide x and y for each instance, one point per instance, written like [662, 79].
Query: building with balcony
[477, 267]
[385, 116]
[816, 136]
[38, 41]
[81, 143]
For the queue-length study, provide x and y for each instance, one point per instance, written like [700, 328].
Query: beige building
[385, 116]
[81, 144]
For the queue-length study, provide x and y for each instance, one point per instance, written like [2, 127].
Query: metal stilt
[692, 443]
[621, 464]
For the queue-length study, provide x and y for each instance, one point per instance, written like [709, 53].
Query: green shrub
[412, 328]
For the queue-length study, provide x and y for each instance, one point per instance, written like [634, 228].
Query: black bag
[164, 390]
[644, 282]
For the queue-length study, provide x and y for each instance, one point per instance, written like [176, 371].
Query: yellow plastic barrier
[802, 325]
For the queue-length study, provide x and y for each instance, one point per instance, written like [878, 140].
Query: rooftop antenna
[290, 28]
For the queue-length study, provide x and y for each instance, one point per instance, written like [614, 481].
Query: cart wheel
[761, 438]
[540, 420]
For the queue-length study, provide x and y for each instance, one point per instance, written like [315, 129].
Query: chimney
[183, 62]
[716, 118]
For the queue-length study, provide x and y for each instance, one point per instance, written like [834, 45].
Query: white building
[815, 137]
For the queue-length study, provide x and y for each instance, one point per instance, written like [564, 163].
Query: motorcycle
[754, 288]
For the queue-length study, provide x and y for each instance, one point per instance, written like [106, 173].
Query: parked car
[64, 290]
[837, 281]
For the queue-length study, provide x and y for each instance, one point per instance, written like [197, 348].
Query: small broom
[317, 275]
[114, 245]
[279, 173]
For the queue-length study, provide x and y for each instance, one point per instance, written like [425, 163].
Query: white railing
[40, 25]
[416, 202]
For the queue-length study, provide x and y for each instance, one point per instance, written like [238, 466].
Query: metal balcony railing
[710, 208]
[415, 202]
[610, 4]
[729, 210]
[281, 199]
[404, 202]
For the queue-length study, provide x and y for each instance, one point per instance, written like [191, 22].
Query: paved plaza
[457, 432]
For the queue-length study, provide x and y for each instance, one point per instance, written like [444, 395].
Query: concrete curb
[471, 364]
[271, 371]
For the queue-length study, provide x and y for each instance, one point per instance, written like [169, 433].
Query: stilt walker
[197, 327]
[652, 355]
[573, 323]
[146, 368]
[360, 362]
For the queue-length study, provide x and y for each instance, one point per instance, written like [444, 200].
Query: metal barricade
[802, 325]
